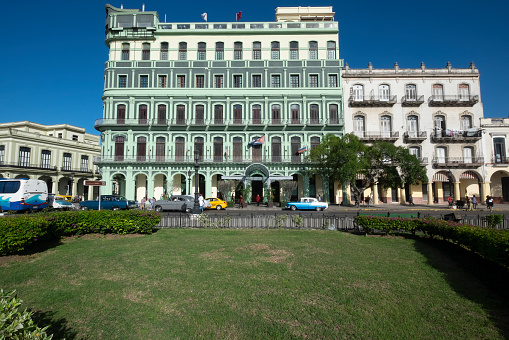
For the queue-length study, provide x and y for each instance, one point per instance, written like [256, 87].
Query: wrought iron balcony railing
[500, 160]
[458, 162]
[470, 135]
[189, 159]
[366, 101]
[415, 136]
[412, 100]
[371, 136]
[459, 100]
[28, 166]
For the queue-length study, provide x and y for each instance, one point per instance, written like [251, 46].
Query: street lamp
[189, 173]
[196, 207]
[449, 175]
[72, 183]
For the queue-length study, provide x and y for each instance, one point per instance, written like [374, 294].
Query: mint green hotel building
[215, 87]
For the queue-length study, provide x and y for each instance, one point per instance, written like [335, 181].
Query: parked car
[215, 203]
[182, 203]
[66, 197]
[307, 203]
[109, 202]
[58, 202]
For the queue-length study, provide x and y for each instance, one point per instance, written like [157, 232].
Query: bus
[23, 194]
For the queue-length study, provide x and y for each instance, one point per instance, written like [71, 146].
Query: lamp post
[449, 175]
[189, 173]
[72, 183]
[196, 207]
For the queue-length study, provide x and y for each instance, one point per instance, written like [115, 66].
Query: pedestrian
[449, 199]
[241, 202]
[367, 199]
[319, 198]
[142, 203]
[258, 200]
[469, 203]
[356, 199]
[474, 202]
[152, 202]
[201, 201]
[489, 203]
[410, 200]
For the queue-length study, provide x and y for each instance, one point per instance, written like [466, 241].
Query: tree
[344, 158]
[226, 187]
[287, 187]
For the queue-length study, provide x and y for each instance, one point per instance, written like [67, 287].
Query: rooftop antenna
[165, 18]
[121, 6]
[143, 7]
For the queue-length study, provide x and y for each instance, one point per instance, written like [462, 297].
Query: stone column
[402, 196]
[485, 189]
[375, 193]
[305, 185]
[457, 194]
[150, 185]
[430, 192]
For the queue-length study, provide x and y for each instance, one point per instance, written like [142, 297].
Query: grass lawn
[260, 284]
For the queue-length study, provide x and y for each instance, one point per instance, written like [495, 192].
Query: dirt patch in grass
[270, 255]
[99, 236]
[216, 254]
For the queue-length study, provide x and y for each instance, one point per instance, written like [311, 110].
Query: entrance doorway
[505, 189]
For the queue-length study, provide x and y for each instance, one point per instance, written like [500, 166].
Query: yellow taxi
[66, 197]
[215, 203]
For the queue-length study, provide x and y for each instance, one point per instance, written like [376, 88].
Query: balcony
[377, 136]
[412, 101]
[372, 101]
[415, 136]
[457, 136]
[458, 162]
[43, 167]
[77, 170]
[460, 100]
[207, 159]
[423, 160]
[500, 160]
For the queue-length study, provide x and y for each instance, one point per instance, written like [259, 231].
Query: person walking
[474, 202]
[469, 204]
[449, 199]
[142, 203]
[410, 200]
[489, 203]
[241, 202]
[152, 201]
[367, 199]
[258, 200]
[201, 201]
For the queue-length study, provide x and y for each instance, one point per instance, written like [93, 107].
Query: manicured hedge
[490, 243]
[19, 232]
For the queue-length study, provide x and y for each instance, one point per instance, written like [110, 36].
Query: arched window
[161, 114]
[410, 92]
[331, 50]
[237, 50]
[219, 50]
[237, 149]
[315, 141]
[358, 126]
[413, 126]
[182, 51]
[276, 114]
[276, 149]
[202, 51]
[358, 92]
[333, 114]
[198, 146]
[295, 112]
[121, 114]
[257, 114]
[295, 146]
[180, 148]
[314, 114]
[199, 115]
[257, 50]
[313, 50]
[125, 51]
[142, 114]
[386, 126]
[145, 51]
[294, 50]
[274, 50]
[181, 115]
[466, 122]
[384, 92]
[141, 149]
[160, 148]
[164, 51]
[218, 114]
[237, 114]
[218, 149]
[119, 148]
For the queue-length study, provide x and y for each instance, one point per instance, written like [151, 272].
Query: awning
[440, 177]
[468, 175]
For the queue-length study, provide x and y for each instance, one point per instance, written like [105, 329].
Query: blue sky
[54, 52]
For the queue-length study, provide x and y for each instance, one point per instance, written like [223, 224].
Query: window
[331, 50]
[218, 149]
[144, 81]
[295, 146]
[294, 80]
[122, 81]
[257, 151]
[218, 114]
[499, 150]
[313, 50]
[2, 154]
[411, 92]
[333, 114]
[198, 146]
[276, 149]
[294, 109]
[466, 122]
[256, 80]
[119, 148]
[383, 92]
[467, 154]
[237, 114]
[315, 141]
[202, 51]
[237, 149]
[358, 126]
[182, 51]
[257, 114]
[121, 114]
[237, 80]
[160, 148]
[181, 81]
[416, 151]
[294, 50]
[66, 161]
[161, 114]
[142, 114]
[24, 156]
[75, 137]
[45, 159]
[180, 148]
[358, 92]
[84, 163]
[162, 81]
[181, 115]
[333, 80]
[200, 115]
[313, 80]
[314, 114]
[125, 51]
[164, 51]
[441, 154]
[438, 92]
[200, 81]
[440, 126]
[218, 81]
[386, 127]
[413, 126]
[276, 114]
[257, 50]
[219, 51]
[145, 51]
[274, 49]
[275, 80]
[237, 50]
[464, 91]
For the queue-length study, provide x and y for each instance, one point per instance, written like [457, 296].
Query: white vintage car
[307, 203]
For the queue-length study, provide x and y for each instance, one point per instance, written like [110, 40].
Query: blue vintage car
[307, 203]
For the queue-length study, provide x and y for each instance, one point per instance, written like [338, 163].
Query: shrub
[15, 324]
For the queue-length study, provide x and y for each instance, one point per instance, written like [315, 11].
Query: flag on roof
[301, 150]
[258, 141]
[204, 16]
[239, 15]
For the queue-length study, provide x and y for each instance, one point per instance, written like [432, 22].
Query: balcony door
[358, 93]
[466, 122]
[358, 126]
[441, 154]
[499, 150]
[440, 126]
[180, 148]
[276, 114]
[160, 147]
[237, 149]
[384, 92]
[276, 149]
[413, 126]
[218, 149]
[467, 154]
[385, 124]
[121, 114]
[464, 92]
[141, 149]
[198, 146]
[237, 114]
[416, 151]
[438, 92]
[411, 92]
[295, 146]
[119, 148]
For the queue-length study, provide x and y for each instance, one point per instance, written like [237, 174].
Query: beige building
[62, 155]
[435, 113]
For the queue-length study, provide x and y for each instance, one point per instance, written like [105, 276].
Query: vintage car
[214, 203]
[182, 203]
[58, 202]
[109, 202]
[307, 203]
